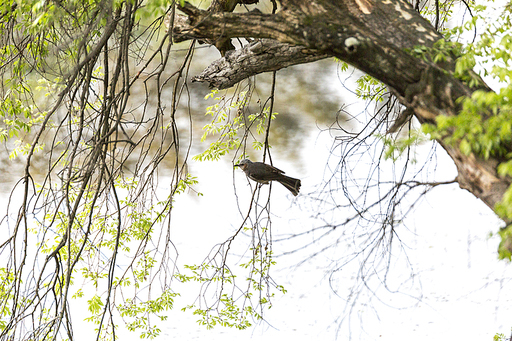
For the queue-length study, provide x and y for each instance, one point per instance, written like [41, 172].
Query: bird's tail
[291, 183]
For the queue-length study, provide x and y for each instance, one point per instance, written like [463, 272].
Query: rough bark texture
[260, 56]
[373, 36]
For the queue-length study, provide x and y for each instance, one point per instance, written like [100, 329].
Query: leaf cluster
[226, 310]
[231, 124]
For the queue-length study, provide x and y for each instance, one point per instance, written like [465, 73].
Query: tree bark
[259, 56]
[373, 36]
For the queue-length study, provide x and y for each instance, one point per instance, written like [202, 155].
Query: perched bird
[263, 174]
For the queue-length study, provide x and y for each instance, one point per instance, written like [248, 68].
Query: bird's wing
[264, 173]
[273, 169]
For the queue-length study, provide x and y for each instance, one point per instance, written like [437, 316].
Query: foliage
[484, 124]
[505, 246]
[499, 337]
[395, 148]
[368, 88]
[225, 310]
[89, 249]
[231, 123]
[67, 71]
[67, 75]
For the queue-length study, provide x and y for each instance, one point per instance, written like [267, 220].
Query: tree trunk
[373, 36]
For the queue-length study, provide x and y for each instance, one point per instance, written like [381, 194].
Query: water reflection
[305, 98]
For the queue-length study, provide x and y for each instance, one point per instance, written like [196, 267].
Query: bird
[263, 174]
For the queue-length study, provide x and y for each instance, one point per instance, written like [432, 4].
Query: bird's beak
[237, 165]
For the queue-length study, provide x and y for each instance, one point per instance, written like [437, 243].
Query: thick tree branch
[260, 56]
[201, 24]
[330, 31]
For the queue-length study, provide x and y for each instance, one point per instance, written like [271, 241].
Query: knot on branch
[351, 44]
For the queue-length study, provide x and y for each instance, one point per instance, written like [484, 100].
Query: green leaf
[465, 147]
